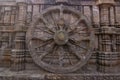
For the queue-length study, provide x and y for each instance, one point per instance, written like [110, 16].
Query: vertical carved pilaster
[118, 43]
[104, 15]
[18, 53]
[107, 56]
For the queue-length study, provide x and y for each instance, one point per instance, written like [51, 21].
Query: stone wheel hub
[60, 39]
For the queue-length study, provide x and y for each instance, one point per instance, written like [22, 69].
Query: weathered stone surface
[16, 17]
[22, 76]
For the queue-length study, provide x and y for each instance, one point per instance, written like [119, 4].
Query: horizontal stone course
[62, 77]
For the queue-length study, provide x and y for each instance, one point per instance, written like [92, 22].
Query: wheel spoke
[61, 54]
[61, 19]
[78, 39]
[37, 38]
[80, 54]
[66, 47]
[72, 31]
[77, 22]
[71, 50]
[55, 49]
[45, 43]
[75, 25]
[47, 31]
[46, 24]
[62, 24]
[61, 12]
[40, 35]
[74, 43]
[65, 27]
[76, 30]
[51, 50]
[53, 18]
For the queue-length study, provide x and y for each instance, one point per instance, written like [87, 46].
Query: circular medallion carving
[60, 39]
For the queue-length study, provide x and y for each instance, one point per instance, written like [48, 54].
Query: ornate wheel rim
[60, 39]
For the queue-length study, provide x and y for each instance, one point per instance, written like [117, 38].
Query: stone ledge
[31, 75]
[62, 77]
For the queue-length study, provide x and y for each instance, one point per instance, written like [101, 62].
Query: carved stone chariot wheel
[60, 39]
